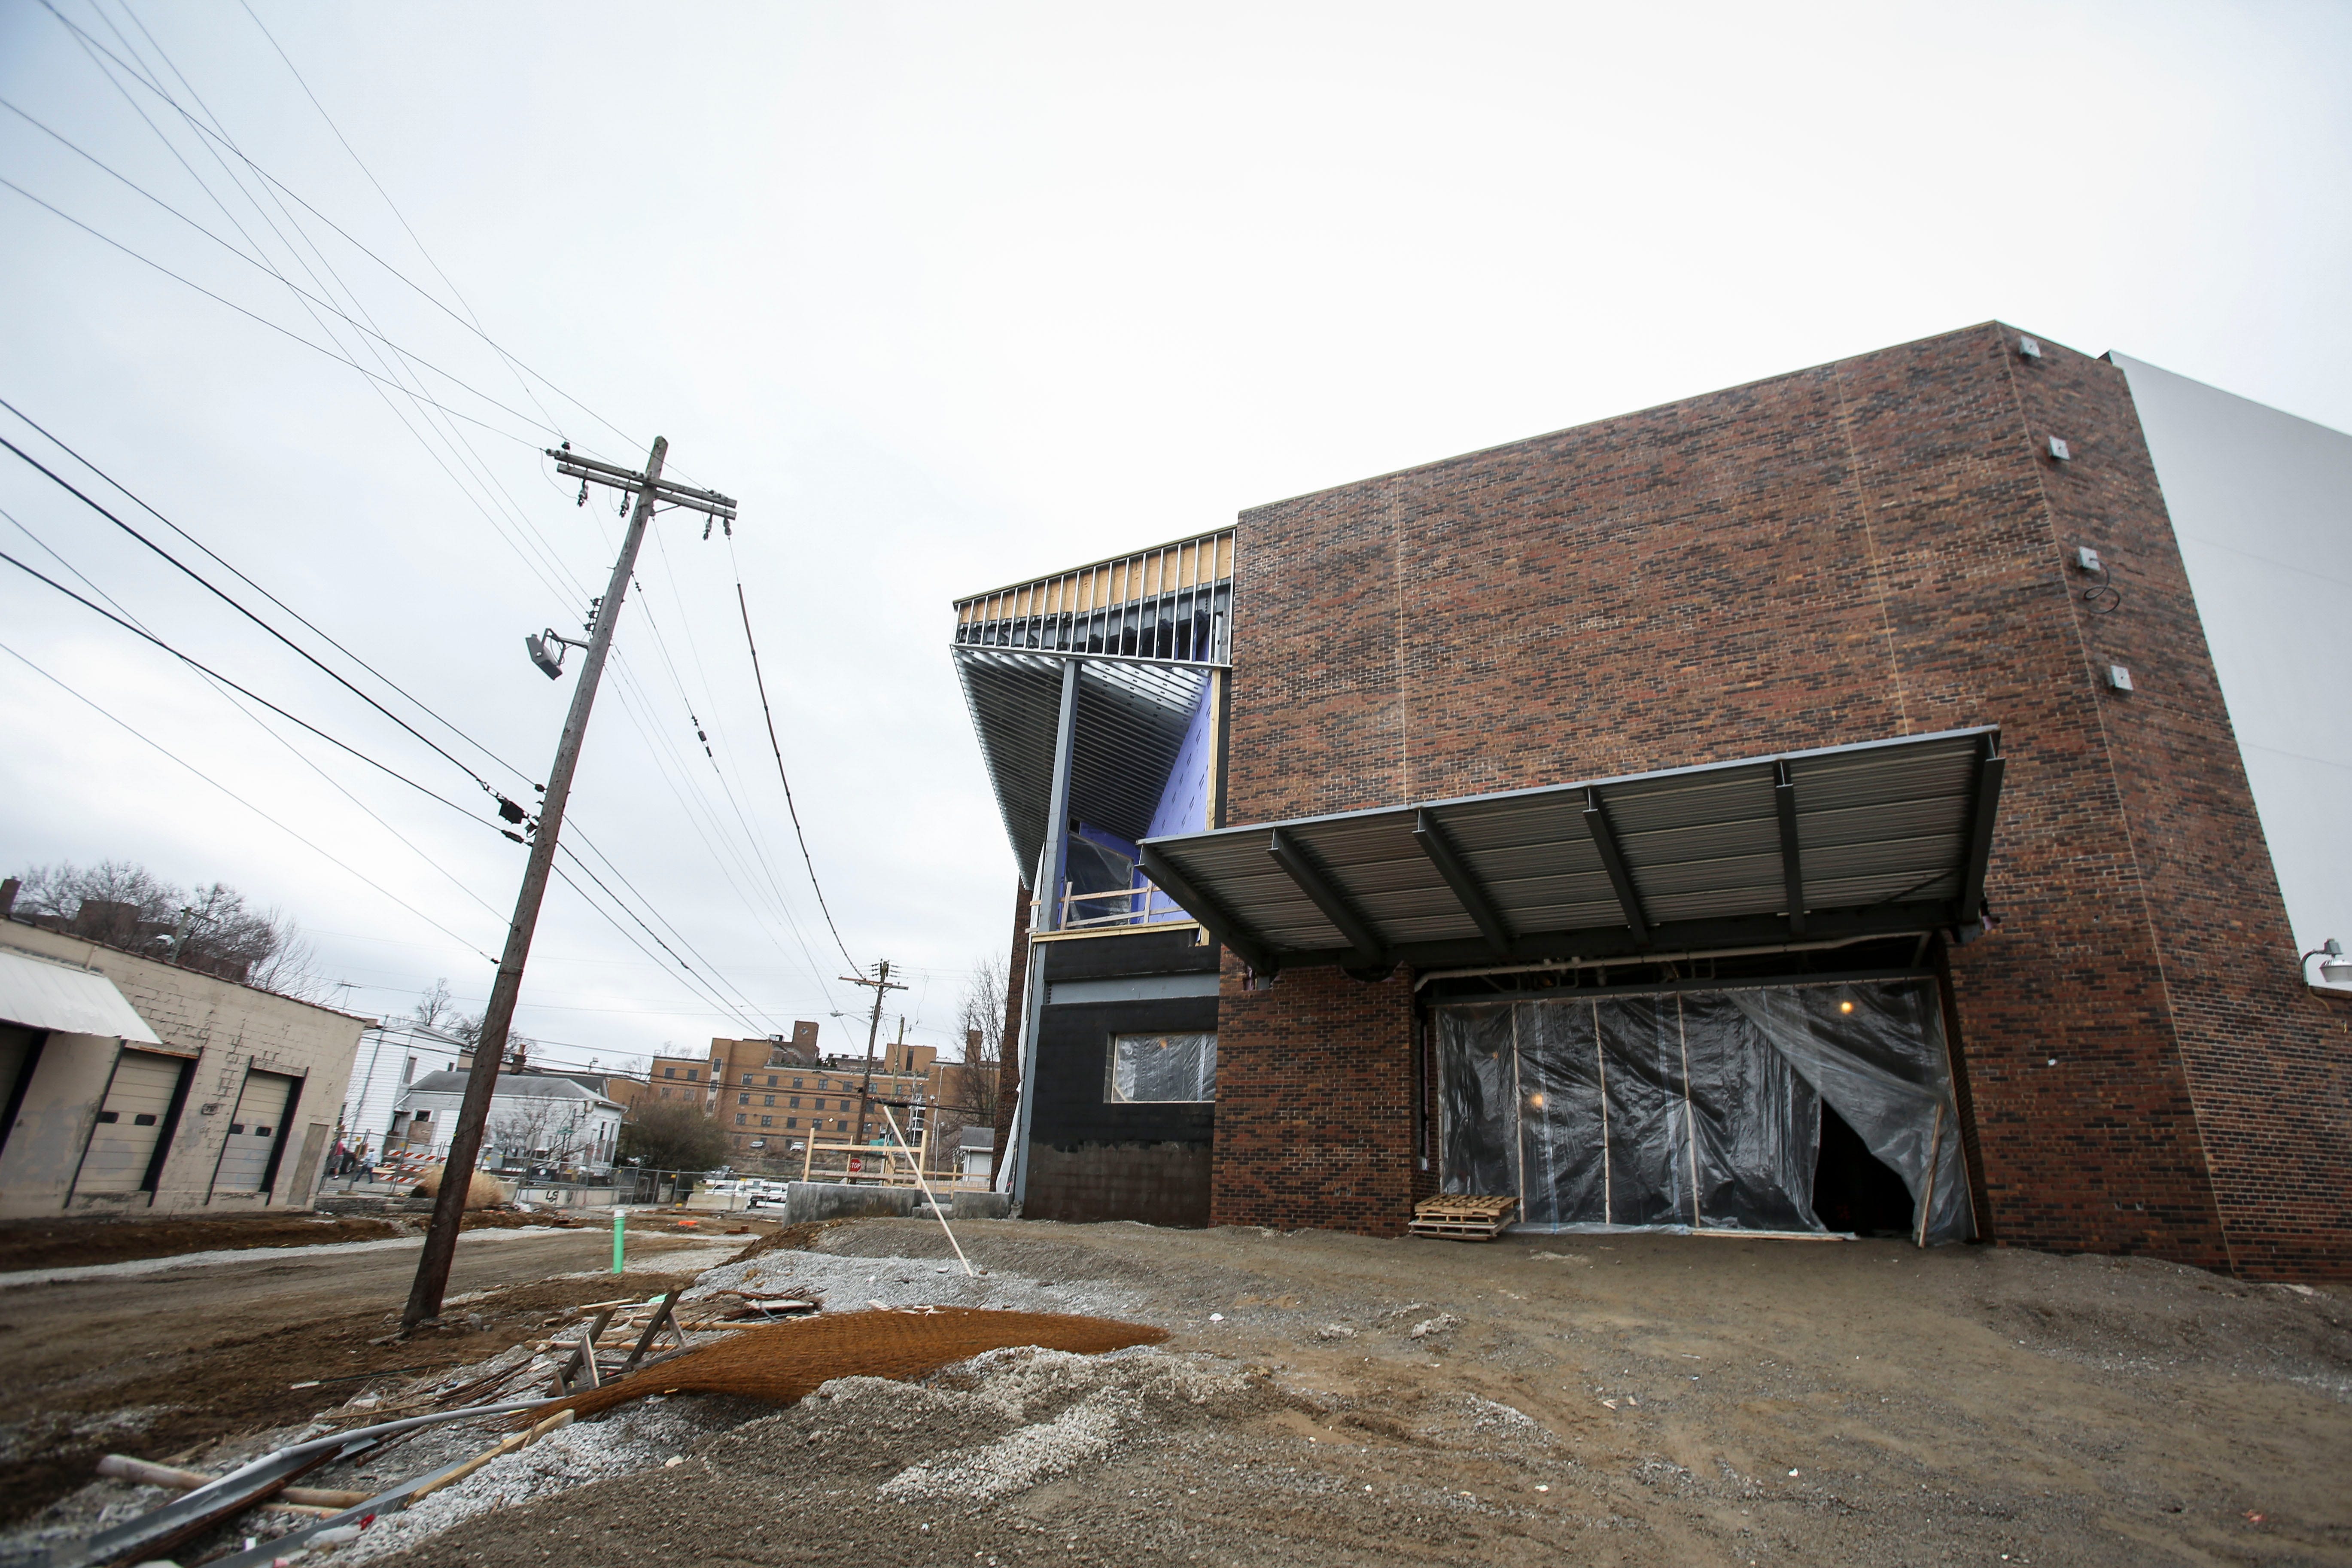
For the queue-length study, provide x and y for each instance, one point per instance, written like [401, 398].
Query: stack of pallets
[1462, 1217]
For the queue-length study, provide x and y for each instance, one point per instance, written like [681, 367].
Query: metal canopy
[39, 994]
[1884, 838]
[1132, 719]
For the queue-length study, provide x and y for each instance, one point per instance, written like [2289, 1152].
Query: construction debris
[781, 1362]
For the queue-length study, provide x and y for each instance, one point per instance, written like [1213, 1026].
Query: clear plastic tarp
[1697, 1108]
[1162, 1068]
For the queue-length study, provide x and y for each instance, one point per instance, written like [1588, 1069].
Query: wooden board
[1461, 1216]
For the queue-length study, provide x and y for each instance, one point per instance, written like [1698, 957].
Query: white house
[978, 1147]
[536, 1118]
[392, 1056]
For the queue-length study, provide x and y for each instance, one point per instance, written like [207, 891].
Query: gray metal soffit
[1132, 716]
[1882, 838]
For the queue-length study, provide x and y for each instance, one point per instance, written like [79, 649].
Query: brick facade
[1868, 549]
[1315, 1113]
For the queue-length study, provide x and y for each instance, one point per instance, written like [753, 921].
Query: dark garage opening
[1854, 1189]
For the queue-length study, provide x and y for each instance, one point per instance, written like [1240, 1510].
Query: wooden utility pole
[481, 1081]
[883, 985]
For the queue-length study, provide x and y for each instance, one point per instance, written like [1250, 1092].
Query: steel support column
[1053, 869]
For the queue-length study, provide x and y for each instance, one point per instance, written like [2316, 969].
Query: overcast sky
[947, 296]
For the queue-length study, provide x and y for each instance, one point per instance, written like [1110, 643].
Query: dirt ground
[1627, 1399]
[158, 1364]
[26, 1243]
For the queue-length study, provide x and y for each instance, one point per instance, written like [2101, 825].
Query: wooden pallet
[1463, 1217]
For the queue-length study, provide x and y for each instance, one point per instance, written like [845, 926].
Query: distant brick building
[1810, 802]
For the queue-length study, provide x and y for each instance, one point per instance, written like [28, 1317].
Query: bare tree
[435, 1005]
[972, 1087]
[539, 1132]
[291, 969]
[61, 889]
[211, 928]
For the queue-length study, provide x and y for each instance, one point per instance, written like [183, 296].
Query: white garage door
[130, 1120]
[253, 1132]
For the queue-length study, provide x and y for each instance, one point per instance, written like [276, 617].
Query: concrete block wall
[228, 1029]
[1861, 550]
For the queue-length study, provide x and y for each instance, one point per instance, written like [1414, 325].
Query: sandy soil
[158, 1364]
[1643, 1400]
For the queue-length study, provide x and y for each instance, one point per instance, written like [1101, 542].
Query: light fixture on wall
[2334, 969]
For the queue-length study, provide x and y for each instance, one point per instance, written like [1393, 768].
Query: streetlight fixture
[2334, 969]
[547, 651]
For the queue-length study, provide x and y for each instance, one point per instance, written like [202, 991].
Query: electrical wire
[240, 800]
[454, 438]
[259, 722]
[197, 577]
[777, 747]
[203, 668]
[318, 631]
[218, 134]
[241, 311]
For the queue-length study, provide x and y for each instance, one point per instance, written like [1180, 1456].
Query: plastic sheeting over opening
[1699, 1109]
[1161, 1068]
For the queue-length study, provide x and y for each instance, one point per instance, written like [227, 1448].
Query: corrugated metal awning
[1884, 838]
[1132, 719]
[36, 993]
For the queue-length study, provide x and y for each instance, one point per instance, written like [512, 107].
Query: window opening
[1154, 1068]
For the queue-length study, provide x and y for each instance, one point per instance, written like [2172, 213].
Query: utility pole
[883, 985]
[465, 1143]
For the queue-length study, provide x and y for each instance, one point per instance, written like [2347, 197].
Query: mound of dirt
[484, 1191]
[780, 1364]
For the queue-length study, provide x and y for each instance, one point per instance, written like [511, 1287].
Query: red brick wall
[1314, 1110]
[2268, 1064]
[1858, 551]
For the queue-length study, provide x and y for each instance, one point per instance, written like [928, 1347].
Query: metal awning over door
[1884, 838]
[38, 994]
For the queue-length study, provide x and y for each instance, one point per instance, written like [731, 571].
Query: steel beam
[1288, 854]
[1792, 869]
[1990, 766]
[1246, 944]
[1604, 839]
[1433, 843]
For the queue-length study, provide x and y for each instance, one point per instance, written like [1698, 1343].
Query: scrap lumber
[519, 1440]
[146, 1473]
[1463, 1217]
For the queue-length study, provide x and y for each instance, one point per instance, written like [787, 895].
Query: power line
[252, 261]
[773, 744]
[240, 800]
[257, 721]
[140, 631]
[727, 1009]
[479, 471]
[198, 665]
[197, 577]
[513, 367]
[421, 705]
[249, 315]
[377, 383]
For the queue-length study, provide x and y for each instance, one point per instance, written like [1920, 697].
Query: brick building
[1811, 805]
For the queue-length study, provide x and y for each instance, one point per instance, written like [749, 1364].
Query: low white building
[536, 1120]
[977, 1145]
[132, 1084]
[393, 1055]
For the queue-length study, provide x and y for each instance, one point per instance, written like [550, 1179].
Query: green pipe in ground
[619, 1218]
